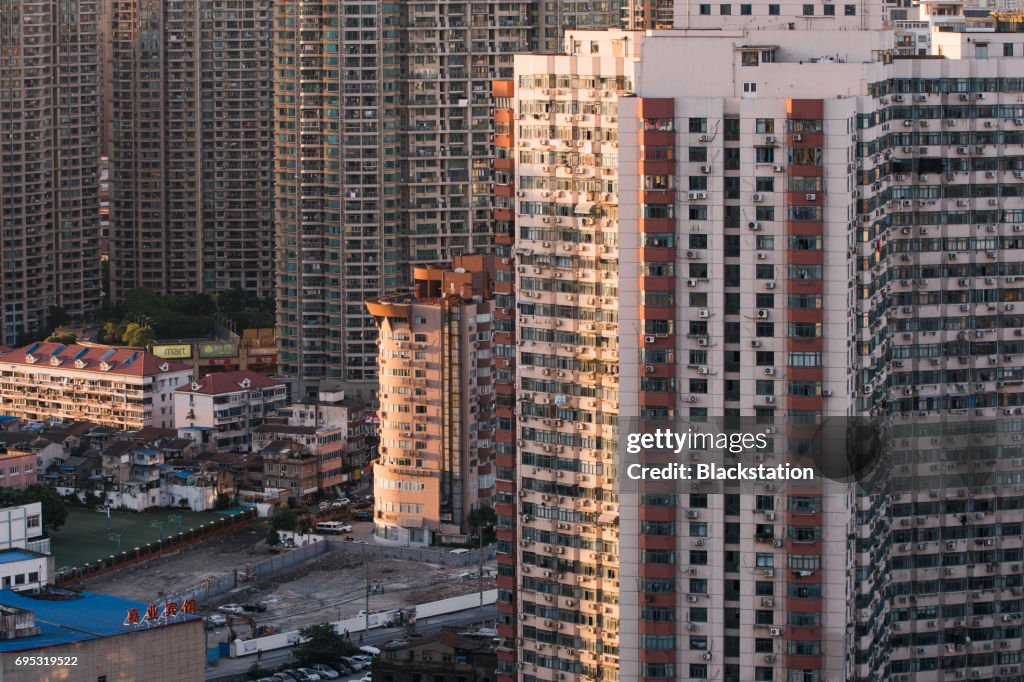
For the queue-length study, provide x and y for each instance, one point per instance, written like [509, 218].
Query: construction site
[333, 585]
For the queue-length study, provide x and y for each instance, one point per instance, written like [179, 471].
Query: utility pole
[366, 612]
[480, 569]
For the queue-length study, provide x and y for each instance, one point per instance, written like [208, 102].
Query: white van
[459, 552]
[330, 528]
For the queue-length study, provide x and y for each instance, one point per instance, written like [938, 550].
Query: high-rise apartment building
[49, 162]
[558, 578]
[436, 460]
[804, 227]
[192, 149]
[384, 149]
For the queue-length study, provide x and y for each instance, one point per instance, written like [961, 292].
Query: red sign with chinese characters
[155, 615]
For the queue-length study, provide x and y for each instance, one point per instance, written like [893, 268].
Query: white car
[458, 552]
[326, 672]
[231, 608]
[340, 504]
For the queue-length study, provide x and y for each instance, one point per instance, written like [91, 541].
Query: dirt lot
[330, 587]
[333, 587]
[176, 572]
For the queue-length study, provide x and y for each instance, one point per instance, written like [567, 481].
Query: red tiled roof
[229, 382]
[123, 361]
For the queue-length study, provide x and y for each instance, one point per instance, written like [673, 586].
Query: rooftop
[230, 382]
[9, 556]
[123, 361]
[65, 618]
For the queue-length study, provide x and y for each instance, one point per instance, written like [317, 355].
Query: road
[378, 636]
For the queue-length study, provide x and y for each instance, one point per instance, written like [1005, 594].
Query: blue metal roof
[14, 555]
[63, 621]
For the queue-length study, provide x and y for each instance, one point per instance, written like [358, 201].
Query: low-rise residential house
[21, 527]
[332, 429]
[287, 465]
[18, 465]
[230, 404]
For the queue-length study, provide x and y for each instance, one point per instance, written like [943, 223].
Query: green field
[84, 538]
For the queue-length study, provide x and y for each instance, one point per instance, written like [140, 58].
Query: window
[764, 125]
[850, 10]
[830, 10]
[698, 125]
[1007, 49]
[764, 154]
[749, 58]
[746, 10]
[764, 184]
[981, 50]
[750, 88]
[725, 10]
[659, 124]
[773, 10]
[705, 10]
[808, 11]
[698, 154]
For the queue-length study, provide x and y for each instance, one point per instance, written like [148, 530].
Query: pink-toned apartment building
[436, 396]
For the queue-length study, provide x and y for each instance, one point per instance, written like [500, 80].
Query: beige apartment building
[806, 226]
[117, 387]
[436, 460]
[49, 162]
[191, 146]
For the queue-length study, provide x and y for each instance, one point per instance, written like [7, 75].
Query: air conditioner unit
[811, 197]
[758, 197]
[754, 225]
[777, 168]
[763, 314]
[705, 168]
[770, 371]
[775, 632]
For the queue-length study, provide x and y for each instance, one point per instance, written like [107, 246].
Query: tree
[284, 519]
[223, 501]
[484, 520]
[66, 338]
[321, 643]
[55, 512]
[137, 335]
[273, 538]
[112, 332]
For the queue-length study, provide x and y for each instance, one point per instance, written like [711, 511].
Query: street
[377, 637]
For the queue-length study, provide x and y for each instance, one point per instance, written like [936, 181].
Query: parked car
[368, 653]
[363, 515]
[258, 607]
[215, 620]
[341, 503]
[353, 663]
[457, 552]
[326, 672]
[231, 608]
[284, 677]
[309, 675]
[343, 666]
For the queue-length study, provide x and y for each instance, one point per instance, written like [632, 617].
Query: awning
[608, 517]
[584, 207]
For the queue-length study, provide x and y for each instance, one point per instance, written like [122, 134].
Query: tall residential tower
[384, 151]
[49, 162]
[192, 149]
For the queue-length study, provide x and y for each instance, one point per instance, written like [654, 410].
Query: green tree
[55, 512]
[321, 643]
[67, 338]
[112, 332]
[284, 519]
[273, 538]
[137, 335]
[223, 501]
[484, 520]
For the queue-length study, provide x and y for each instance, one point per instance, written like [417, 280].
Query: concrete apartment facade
[49, 175]
[191, 146]
[796, 223]
[117, 387]
[436, 360]
[230, 405]
[384, 148]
